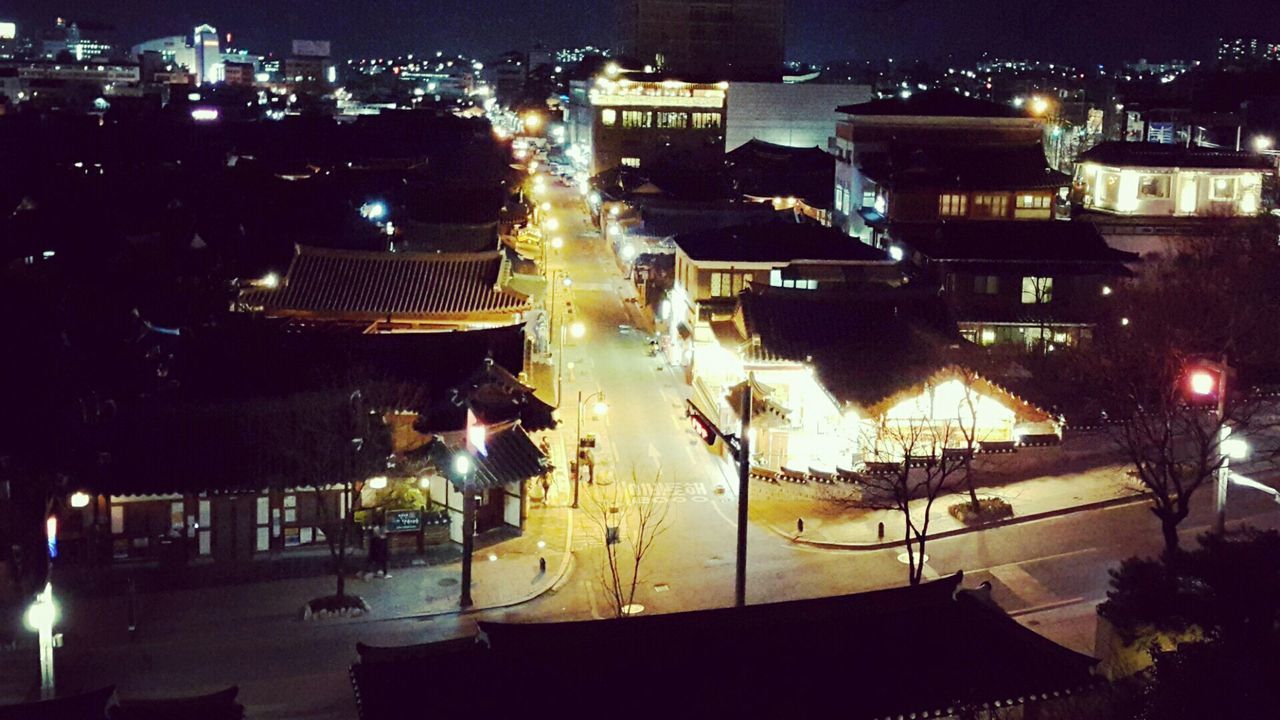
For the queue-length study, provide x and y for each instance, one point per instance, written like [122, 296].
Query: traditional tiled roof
[509, 457]
[778, 241]
[376, 285]
[1157, 155]
[963, 167]
[864, 345]
[973, 653]
[1066, 246]
[763, 169]
[934, 103]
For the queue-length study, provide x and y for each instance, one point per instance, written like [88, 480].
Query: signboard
[311, 48]
[403, 521]
[8, 30]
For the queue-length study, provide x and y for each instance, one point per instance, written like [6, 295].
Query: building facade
[736, 38]
[634, 119]
[886, 134]
[791, 114]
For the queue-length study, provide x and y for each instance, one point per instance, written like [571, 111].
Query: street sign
[403, 521]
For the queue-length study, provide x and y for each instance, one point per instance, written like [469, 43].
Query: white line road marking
[1058, 556]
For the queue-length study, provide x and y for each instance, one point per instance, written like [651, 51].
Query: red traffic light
[1202, 382]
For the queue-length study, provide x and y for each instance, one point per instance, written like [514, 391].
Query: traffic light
[1202, 383]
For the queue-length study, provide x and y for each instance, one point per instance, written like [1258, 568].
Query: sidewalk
[505, 571]
[828, 524]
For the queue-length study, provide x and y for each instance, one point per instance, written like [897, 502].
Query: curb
[1017, 520]
[559, 575]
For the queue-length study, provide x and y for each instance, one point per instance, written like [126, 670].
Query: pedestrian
[799, 526]
[546, 488]
[542, 565]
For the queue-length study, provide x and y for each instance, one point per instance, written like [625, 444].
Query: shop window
[1222, 188]
[609, 117]
[1034, 202]
[631, 162]
[1037, 290]
[1153, 187]
[949, 205]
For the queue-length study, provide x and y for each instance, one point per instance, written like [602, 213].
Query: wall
[797, 115]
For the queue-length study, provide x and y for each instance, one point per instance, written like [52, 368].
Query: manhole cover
[906, 559]
[448, 582]
[634, 609]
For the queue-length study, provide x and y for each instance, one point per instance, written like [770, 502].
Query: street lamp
[577, 330]
[464, 475]
[41, 616]
[600, 408]
[1262, 143]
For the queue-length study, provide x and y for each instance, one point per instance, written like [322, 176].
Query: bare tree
[1211, 302]
[629, 520]
[332, 440]
[918, 467]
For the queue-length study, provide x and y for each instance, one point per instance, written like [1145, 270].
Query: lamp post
[41, 616]
[464, 471]
[600, 408]
[577, 330]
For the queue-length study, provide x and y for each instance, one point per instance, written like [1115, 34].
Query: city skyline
[817, 30]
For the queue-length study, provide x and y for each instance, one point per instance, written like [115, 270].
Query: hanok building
[390, 292]
[884, 134]
[978, 661]
[793, 178]
[831, 370]
[715, 266]
[636, 118]
[1147, 197]
[1038, 284]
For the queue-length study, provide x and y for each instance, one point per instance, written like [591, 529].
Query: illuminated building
[634, 118]
[739, 39]
[208, 55]
[1142, 196]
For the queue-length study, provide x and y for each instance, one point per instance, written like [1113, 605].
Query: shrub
[989, 509]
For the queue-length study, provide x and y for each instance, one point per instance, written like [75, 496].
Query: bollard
[132, 593]
[542, 565]
[880, 530]
[799, 526]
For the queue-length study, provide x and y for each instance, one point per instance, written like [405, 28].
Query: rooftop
[763, 169]
[1129, 154]
[378, 285]
[968, 648]
[1049, 241]
[964, 167]
[934, 103]
[779, 241]
[865, 344]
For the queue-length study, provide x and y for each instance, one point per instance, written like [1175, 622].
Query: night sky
[1094, 30]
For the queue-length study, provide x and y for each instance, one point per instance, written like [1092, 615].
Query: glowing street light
[1039, 105]
[41, 616]
[1262, 143]
[557, 242]
[600, 407]
[374, 210]
[577, 330]
[552, 224]
[79, 499]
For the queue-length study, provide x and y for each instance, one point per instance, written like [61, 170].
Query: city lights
[204, 114]
[374, 210]
[1039, 105]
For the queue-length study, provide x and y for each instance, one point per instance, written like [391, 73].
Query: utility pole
[1224, 471]
[744, 486]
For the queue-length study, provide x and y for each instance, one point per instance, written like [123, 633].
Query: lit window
[631, 162]
[1153, 186]
[706, 121]
[988, 336]
[868, 198]
[637, 119]
[990, 206]
[1034, 202]
[1223, 188]
[950, 205]
[775, 278]
[986, 284]
[609, 117]
[677, 120]
[1037, 290]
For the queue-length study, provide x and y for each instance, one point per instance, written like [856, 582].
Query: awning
[872, 216]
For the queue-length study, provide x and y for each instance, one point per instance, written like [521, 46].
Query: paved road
[1052, 570]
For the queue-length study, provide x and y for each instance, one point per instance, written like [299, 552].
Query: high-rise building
[733, 39]
[1246, 51]
[208, 60]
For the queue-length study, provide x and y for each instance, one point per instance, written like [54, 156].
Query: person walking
[380, 546]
